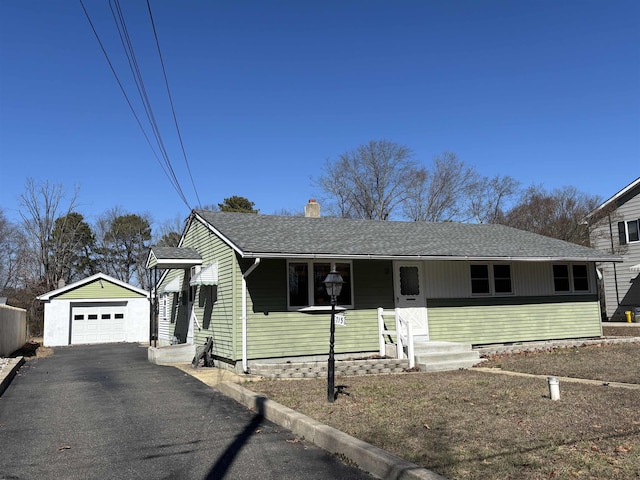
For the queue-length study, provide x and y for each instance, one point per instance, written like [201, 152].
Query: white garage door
[98, 324]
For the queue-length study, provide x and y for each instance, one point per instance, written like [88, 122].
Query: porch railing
[403, 334]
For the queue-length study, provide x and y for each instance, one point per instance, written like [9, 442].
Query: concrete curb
[367, 457]
[9, 371]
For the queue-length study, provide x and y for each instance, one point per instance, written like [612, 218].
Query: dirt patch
[474, 425]
[32, 349]
[629, 330]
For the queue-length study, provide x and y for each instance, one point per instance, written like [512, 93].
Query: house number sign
[340, 320]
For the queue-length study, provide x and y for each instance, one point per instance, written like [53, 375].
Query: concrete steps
[444, 356]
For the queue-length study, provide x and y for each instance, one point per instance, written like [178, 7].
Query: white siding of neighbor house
[628, 288]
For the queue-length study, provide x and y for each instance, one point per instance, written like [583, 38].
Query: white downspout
[245, 366]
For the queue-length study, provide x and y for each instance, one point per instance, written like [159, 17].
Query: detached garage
[98, 309]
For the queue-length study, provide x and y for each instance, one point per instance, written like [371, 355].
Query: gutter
[369, 256]
[245, 366]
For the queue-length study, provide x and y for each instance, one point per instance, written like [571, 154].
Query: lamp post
[333, 284]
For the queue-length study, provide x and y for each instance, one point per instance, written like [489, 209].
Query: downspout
[245, 366]
[615, 272]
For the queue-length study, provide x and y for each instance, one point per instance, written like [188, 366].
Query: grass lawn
[475, 425]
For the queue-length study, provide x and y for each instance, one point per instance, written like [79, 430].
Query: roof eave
[473, 258]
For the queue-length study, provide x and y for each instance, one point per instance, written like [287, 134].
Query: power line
[127, 46]
[167, 168]
[175, 120]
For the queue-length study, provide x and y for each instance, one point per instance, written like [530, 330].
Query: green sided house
[98, 309]
[253, 283]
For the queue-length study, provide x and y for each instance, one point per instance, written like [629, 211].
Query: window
[580, 278]
[480, 280]
[306, 288]
[502, 279]
[491, 279]
[570, 278]
[409, 281]
[629, 231]
[119, 316]
[78, 317]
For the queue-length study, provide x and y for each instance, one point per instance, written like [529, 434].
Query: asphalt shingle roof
[274, 236]
[162, 253]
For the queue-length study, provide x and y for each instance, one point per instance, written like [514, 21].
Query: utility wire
[173, 111]
[127, 46]
[172, 177]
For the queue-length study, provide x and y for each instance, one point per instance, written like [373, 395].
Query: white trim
[635, 268]
[409, 258]
[320, 308]
[626, 189]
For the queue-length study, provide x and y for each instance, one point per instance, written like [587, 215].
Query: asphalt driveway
[105, 412]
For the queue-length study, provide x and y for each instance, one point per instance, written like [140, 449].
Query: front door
[411, 300]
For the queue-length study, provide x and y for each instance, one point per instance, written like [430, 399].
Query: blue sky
[545, 91]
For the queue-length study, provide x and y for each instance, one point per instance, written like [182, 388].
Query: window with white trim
[491, 279]
[629, 232]
[570, 278]
[164, 309]
[306, 289]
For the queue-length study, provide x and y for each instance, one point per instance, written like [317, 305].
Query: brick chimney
[312, 209]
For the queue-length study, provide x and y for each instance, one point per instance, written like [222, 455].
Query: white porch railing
[403, 334]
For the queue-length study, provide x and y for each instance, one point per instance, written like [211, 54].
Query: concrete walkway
[597, 383]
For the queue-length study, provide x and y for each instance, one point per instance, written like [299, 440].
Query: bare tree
[557, 214]
[41, 206]
[487, 198]
[13, 255]
[440, 196]
[169, 232]
[372, 181]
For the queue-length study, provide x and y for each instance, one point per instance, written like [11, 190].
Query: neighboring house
[253, 283]
[98, 309]
[615, 228]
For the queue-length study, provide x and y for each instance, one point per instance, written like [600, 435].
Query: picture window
[306, 287]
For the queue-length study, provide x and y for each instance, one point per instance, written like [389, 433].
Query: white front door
[411, 300]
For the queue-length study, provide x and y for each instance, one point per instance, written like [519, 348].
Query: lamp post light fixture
[333, 284]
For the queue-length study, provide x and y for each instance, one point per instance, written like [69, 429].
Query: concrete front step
[444, 356]
[440, 347]
[447, 366]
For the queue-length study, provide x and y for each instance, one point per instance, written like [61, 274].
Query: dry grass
[475, 425]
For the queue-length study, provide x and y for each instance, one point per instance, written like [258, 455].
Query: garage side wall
[57, 314]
